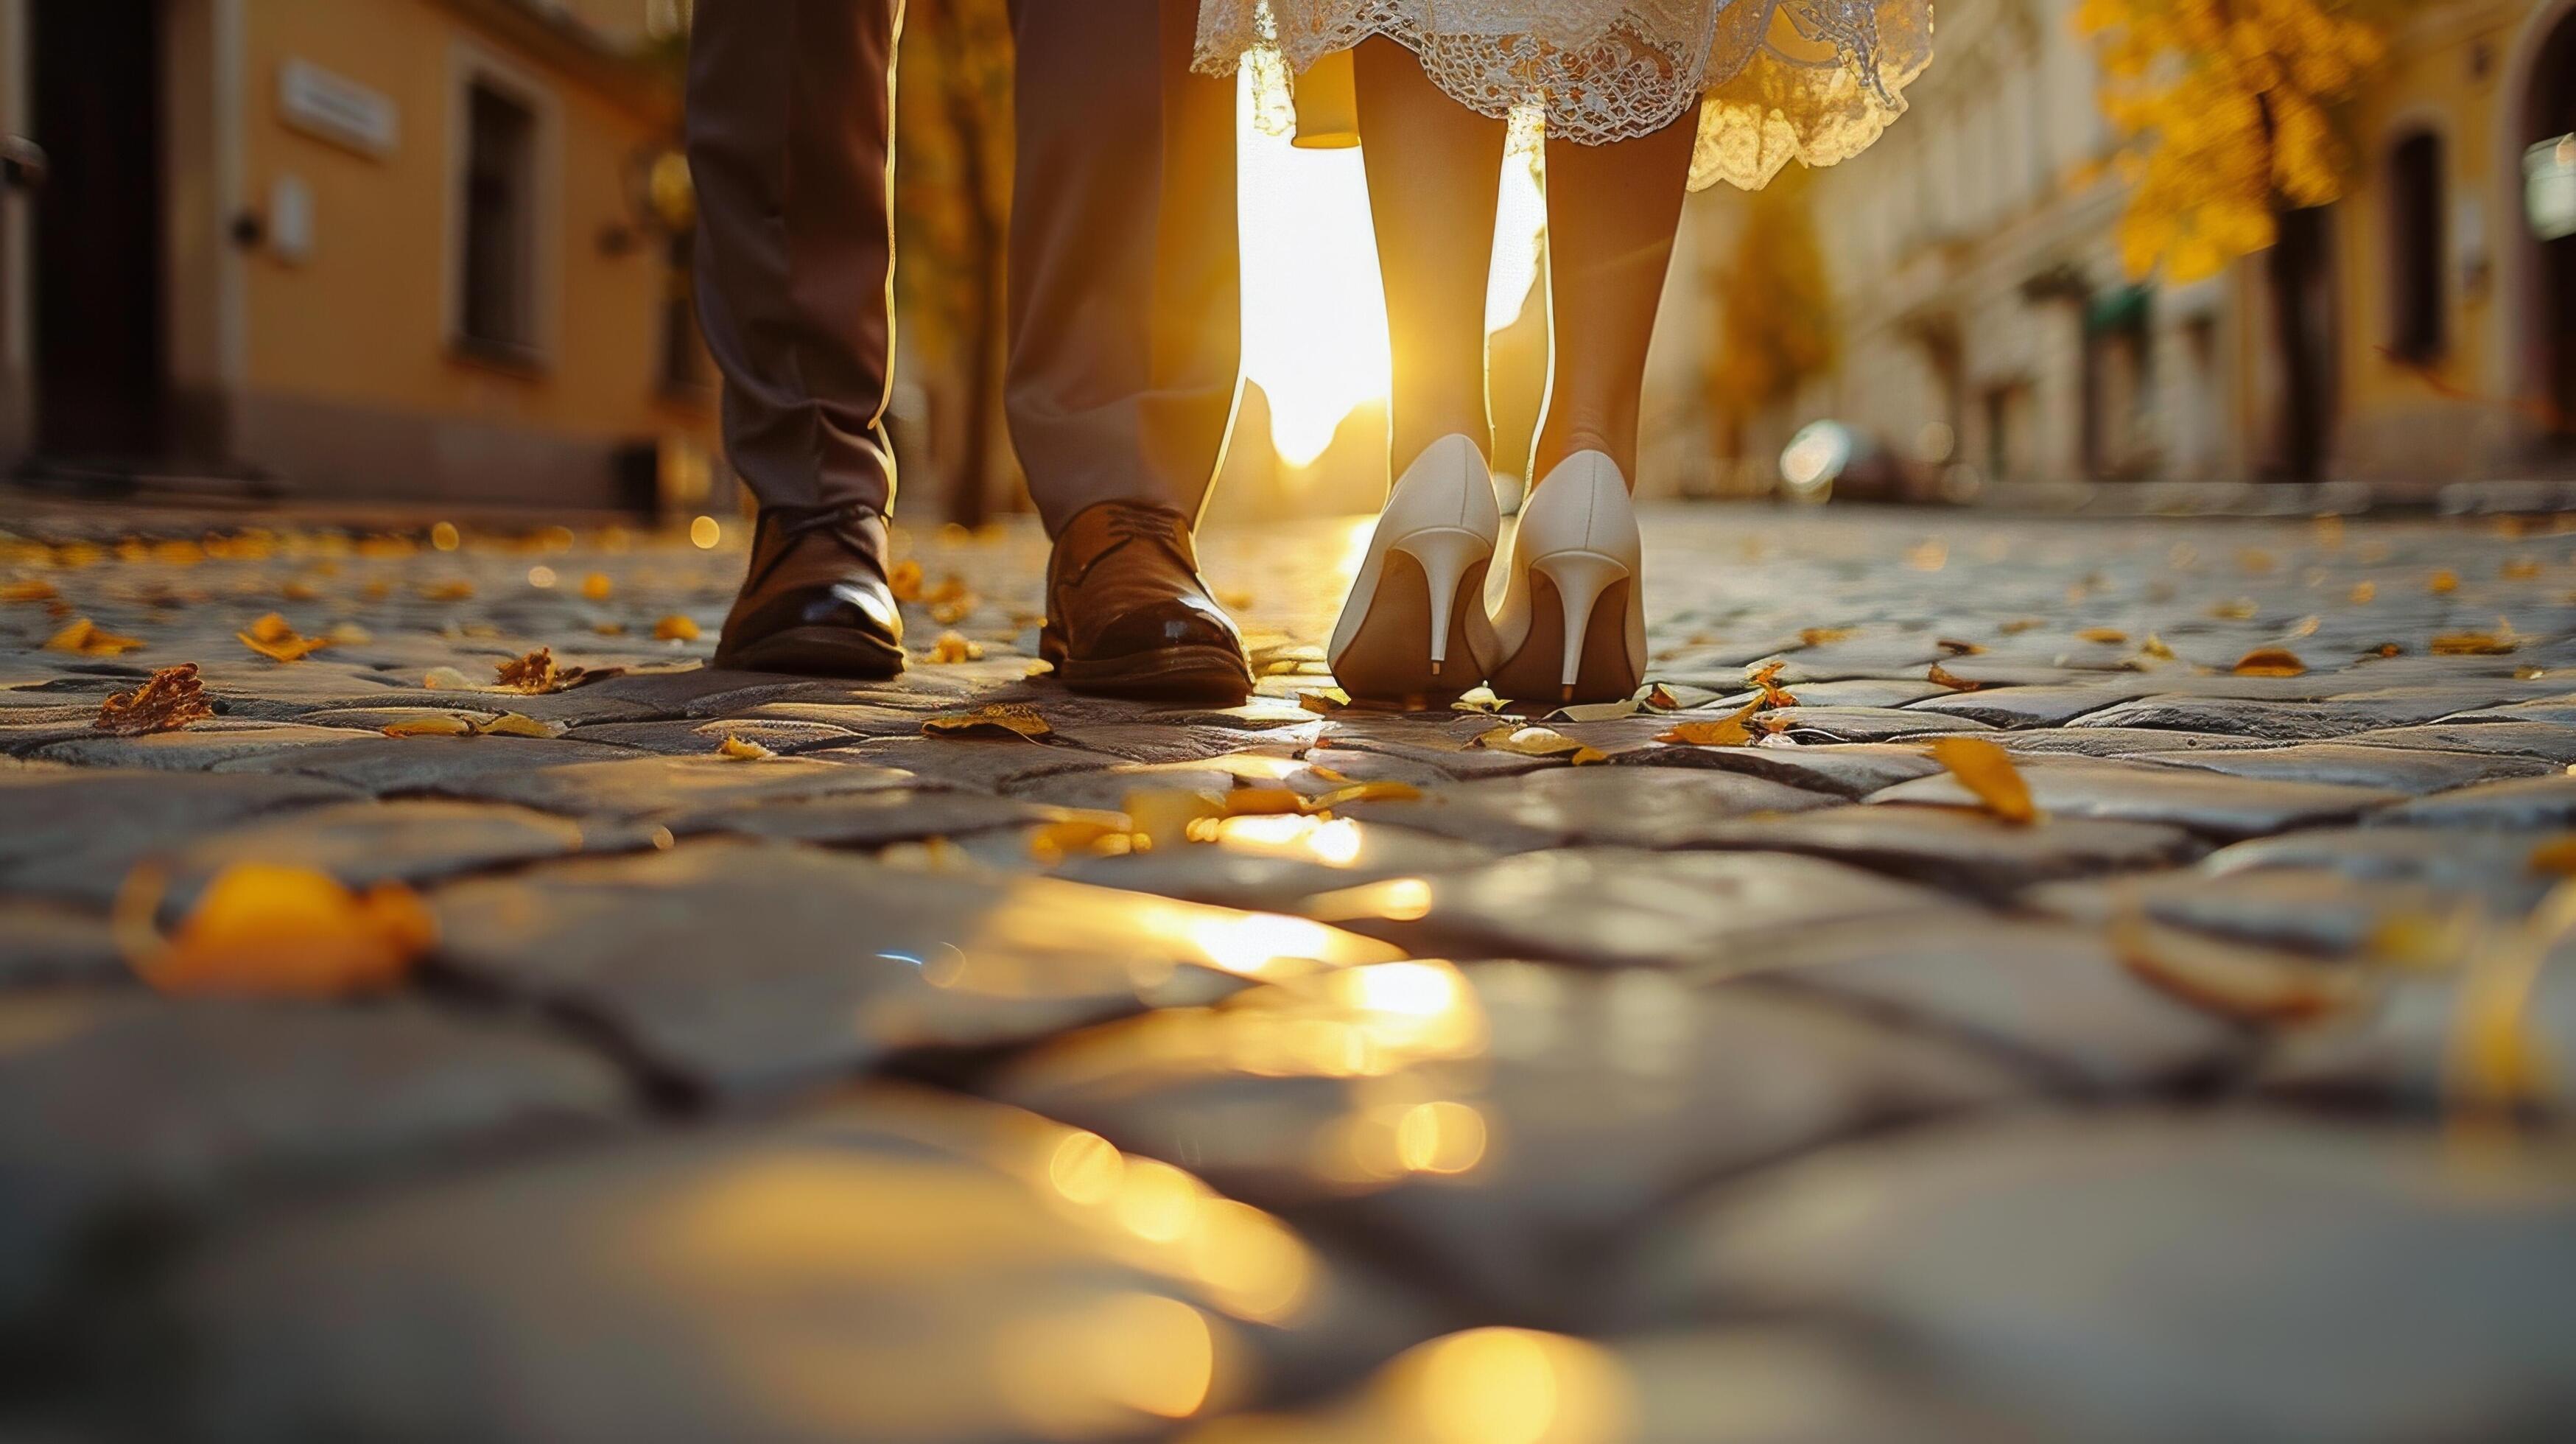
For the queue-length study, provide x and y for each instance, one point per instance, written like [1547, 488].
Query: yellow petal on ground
[266, 930]
[1988, 771]
[444, 724]
[675, 628]
[1941, 676]
[1735, 731]
[34, 589]
[2270, 662]
[272, 628]
[955, 647]
[168, 700]
[2105, 636]
[2444, 580]
[597, 587]
[1823, 636]
[742, 751]
[2472, 644]
[1538, 742]
[2235, 980]
[1019, 719]
[2154, 646]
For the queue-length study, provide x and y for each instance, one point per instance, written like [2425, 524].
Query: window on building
[2415, 207]
[498, 311]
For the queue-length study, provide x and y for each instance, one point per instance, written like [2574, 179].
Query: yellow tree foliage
[2228, 110]
[1775, 317]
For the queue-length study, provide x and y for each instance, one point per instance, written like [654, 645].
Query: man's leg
[1125, 319]
[790, 137]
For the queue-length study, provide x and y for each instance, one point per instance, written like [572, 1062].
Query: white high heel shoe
[1414, 627]
[1573, 621]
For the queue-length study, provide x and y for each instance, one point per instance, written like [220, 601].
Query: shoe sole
[1168, 674]
[817, 652]
[1389, 658]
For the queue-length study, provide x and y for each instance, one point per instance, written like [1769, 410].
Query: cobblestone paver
[791, 1064]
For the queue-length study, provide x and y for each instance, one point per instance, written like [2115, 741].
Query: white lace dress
[1814, 80]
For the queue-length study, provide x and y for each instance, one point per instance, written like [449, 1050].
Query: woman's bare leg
[1434, 170]
[1611, 213]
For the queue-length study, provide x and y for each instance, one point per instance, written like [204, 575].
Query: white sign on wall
[333, 107]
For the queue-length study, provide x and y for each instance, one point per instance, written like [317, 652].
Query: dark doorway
[2416, 254]
[2551, 111]
[101, 371]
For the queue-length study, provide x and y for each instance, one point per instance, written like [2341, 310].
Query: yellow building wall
[365, 322]
[2442, 75]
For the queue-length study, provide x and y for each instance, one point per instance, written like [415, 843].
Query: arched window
[2415, 205]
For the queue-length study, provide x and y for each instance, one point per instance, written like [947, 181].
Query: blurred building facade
[393, 249]
[1986, 329]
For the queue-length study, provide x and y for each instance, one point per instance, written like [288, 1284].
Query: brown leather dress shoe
[815, 600]
[1128, 616]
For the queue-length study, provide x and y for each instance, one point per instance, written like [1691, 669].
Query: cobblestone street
[797, 1060]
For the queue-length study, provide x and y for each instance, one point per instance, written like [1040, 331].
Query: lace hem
[1775, 80]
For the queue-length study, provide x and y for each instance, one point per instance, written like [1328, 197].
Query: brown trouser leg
[1125, 312]
[790, 137]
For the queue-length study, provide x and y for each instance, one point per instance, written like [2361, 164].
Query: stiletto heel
[1446, 556]
[1414, 628]
[1580, 579]
[1578, 540]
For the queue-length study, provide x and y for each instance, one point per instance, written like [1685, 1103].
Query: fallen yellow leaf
[1735, 731]
[903, 579]
[1379, 791]
[2472, 644]
[516, 724]
[955, 647]
[2154, 646]
[675, 628]
[1823, 636]
[1019, 719]
[2236, 980]
[91, 640]
[35, 589]
[444, 724]
[2444, 580]
[2105, 636]
[598, 587]
[1767, 677]
[271, 628]
[285, 931]
[1092, 834]
[447, 591]
[535, 672]
[449, 679]
[1988, 771]
[2270, 662]
[168, 700]
[742, 751]
[1262, 802]
[1162, 817]
[1941, 676]
[1538, 742]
